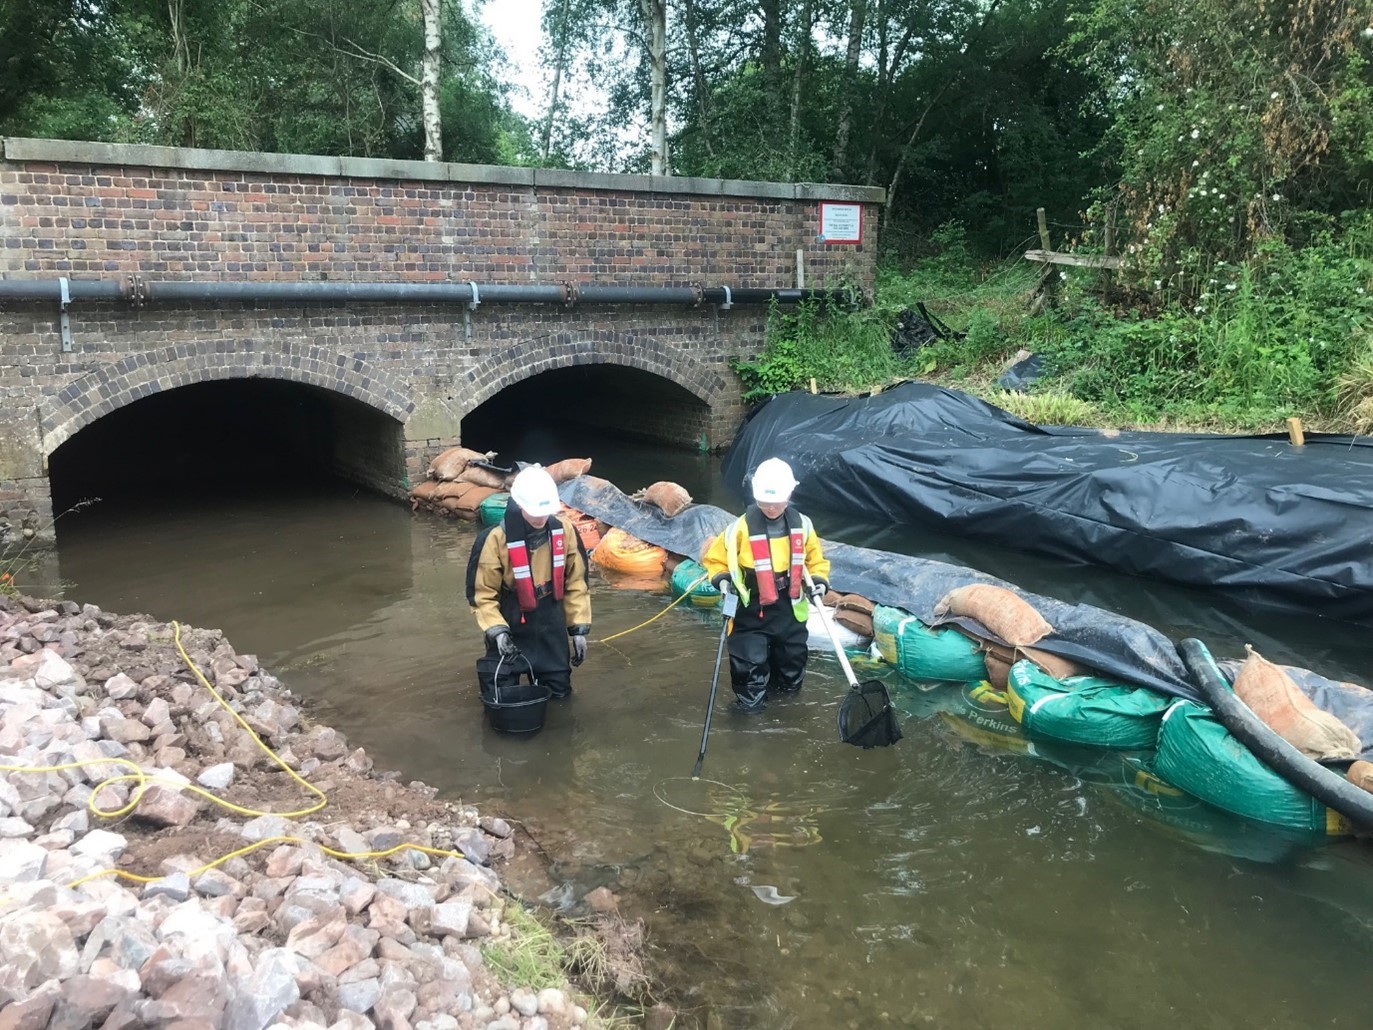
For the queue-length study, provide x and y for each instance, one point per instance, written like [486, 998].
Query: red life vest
[519, 561]
[761, 550]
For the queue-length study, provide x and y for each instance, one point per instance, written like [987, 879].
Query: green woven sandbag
[1140, 790]
[1084, 709]
[924, 653]
[689, 572]
[1199, 755]
[492, 510]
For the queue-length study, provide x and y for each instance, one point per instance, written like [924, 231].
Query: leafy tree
[1232, 121]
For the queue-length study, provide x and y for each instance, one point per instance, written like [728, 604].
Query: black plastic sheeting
[1271, 525]
[1121, 648]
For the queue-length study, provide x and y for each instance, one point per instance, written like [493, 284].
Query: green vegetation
[1288, 331]
[603, 959]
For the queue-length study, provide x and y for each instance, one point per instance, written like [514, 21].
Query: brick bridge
[150, 243]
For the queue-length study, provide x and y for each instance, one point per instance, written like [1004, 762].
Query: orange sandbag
[1003, 612]
[484, 477]
[569, 468]
[854, 603]
[1361, 775]
[452, 490]
[451, 463]
[1059, 668]
[620, 552]
[586, 527]
[998, 669]
[667, 497]
[1280, 703]
[422, 494]
[858, 621]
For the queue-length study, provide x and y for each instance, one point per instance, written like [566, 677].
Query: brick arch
[140, 375]
[527, 358]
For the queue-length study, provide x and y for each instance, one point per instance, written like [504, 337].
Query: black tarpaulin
[1272, 525]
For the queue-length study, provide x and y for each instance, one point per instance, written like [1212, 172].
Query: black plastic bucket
[515, 706]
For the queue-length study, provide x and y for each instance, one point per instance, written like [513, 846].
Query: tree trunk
[698, 75]
[555, 92]
[844, 120]
[772, 47]
[972, 39]
[429, 82]
[797, 79]
[655, 25]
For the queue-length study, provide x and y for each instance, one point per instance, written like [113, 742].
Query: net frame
[866, 717]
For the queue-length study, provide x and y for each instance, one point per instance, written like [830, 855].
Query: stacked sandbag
[422, 495]
[669, 498]
[1013, 621]
[460, 500]
[1000, 659]
[924, 653]
[459, 480]
[853, 612]
[1001, 611]
[451, 464]
[1086, 710]
[1283, 708]
[569, 468]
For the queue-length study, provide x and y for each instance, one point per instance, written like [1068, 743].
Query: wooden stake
[813, 388]
[1043, 229]
[1295, 433]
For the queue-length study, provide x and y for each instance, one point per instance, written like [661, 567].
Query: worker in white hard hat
[762, 557]
[526, 583]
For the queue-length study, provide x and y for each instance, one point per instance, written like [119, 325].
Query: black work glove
[819, 588]
[722, 583]
[504, 642]
[578, 649]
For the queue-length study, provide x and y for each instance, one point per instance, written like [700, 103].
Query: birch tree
[655, 32]
[430, 68]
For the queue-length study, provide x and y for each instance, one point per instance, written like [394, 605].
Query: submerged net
[866, 718]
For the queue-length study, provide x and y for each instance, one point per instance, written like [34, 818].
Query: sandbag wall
[1172, 757]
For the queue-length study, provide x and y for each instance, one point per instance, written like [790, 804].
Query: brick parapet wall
[92, 220]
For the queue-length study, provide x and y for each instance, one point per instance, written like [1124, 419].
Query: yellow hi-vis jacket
[730, 552]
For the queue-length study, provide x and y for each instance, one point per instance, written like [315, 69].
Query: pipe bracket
[63, 321]
[472, 306]
[729, 299]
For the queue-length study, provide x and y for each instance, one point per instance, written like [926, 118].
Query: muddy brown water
[951, 880]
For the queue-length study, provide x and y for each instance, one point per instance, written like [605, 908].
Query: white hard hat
[773, 482]
[535, 492]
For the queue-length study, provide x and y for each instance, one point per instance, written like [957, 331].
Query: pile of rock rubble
[284, 935]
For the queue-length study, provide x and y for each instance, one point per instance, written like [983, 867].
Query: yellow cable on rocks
[144, 781]
[682, 597]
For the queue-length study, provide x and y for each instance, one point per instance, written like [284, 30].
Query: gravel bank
[284, 934]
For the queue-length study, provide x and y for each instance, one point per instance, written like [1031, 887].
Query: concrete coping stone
[138, 155]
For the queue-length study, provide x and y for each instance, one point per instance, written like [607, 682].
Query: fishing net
[866, 717]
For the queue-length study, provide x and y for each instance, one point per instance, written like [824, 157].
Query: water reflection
[954, 879]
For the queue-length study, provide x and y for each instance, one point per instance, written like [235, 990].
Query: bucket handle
[496, 679]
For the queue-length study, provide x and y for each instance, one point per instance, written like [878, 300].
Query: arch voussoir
[109, 388]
